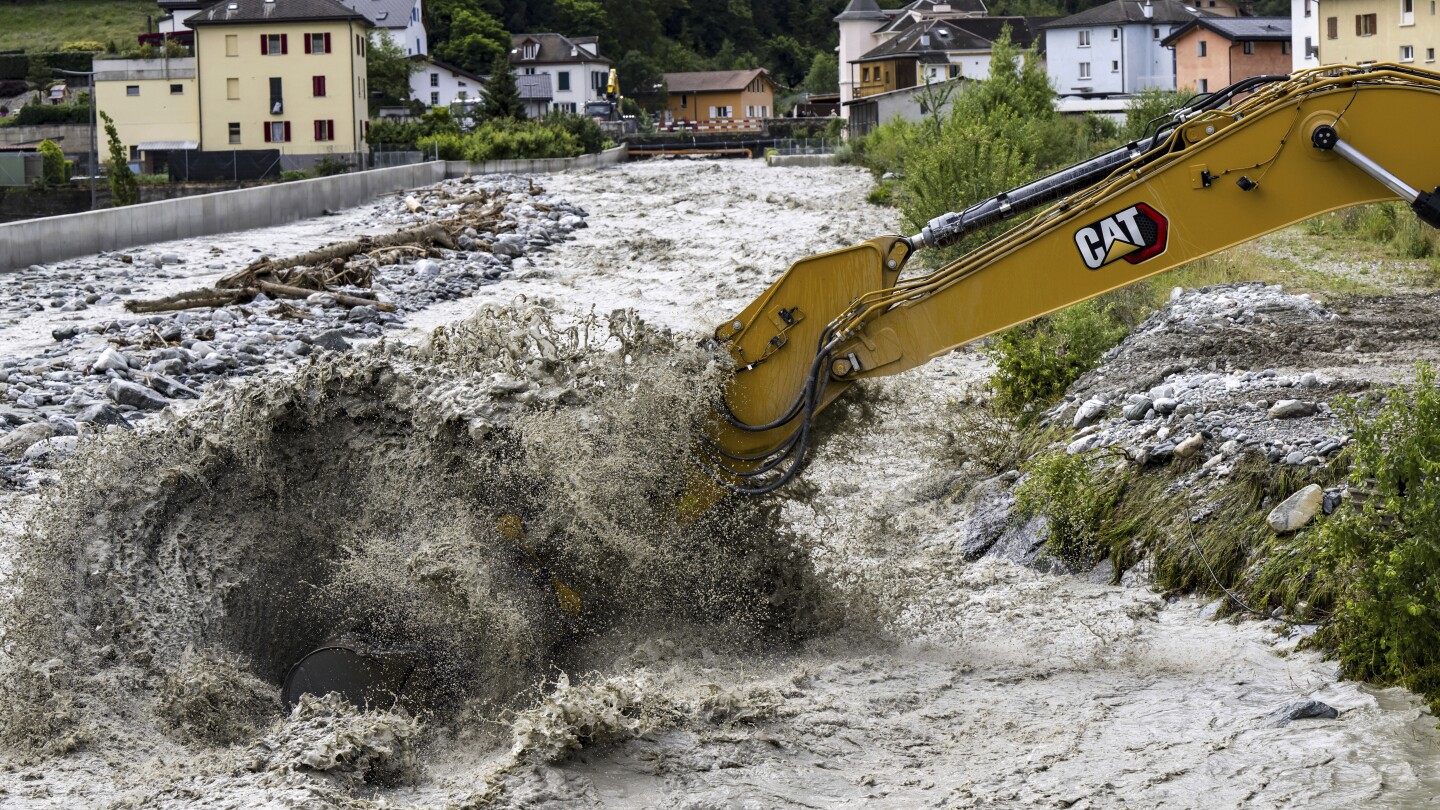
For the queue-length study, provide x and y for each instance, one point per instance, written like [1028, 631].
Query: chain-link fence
[385, 155]
[806, 146]
[195, 166]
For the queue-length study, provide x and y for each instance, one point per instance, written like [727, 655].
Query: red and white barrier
[713, 125]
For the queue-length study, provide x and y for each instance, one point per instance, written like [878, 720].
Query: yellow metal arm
[1221, 177]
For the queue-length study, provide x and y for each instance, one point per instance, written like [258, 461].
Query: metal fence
[806, 146]
[193, 165]
[385, 155]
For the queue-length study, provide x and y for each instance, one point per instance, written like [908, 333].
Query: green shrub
[123, 188]
[882, 194]
[82, 46]
[445, 146]
[291, 175]
[1035, 362]
[1075, 504]
[329, 165]
[53, 164]
[884, 148]
[1387, 549]
[1147, 105]
[582, 127]
[44, 114]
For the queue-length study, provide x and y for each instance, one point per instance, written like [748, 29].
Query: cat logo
[1135, 234]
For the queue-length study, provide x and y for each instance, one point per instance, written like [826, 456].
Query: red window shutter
[287, 131]
[317, 85]
[316, 128]
[264, 45]
[329, 130]
[266, 127]
[284, 44]
[305, 42]
[327, 42]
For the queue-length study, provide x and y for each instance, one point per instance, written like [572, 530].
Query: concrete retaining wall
[39, 241]
[73, 138]
[800, 160]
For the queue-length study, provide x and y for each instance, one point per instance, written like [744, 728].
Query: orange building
[1212, 52]
[721, 99]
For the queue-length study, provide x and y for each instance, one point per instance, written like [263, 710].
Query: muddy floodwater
[830, 647]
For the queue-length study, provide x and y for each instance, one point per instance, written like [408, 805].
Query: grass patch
[45, 26]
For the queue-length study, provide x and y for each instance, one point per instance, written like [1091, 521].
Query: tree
[501, 98]
[639, 75]
[52, 164]
[475, 40]
[824, 75]
[39, 75]
[387, 72]
[124, 188]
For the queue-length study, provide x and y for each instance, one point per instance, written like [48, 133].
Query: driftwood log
[195, 299]
[431, 234]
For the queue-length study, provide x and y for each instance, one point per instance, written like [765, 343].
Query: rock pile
[112, 373]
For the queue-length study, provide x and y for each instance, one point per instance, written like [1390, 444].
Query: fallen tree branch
[191, 300]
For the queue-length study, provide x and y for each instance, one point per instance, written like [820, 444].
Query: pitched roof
[861, 10]
[535, 87]
[1238, 29]
[461, 72]
[556, 49]
[712, 81]
[930, 40]
[1122, 12]
[384, 13]
[263, 11]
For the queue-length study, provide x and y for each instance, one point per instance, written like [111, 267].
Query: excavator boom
[1218, 173]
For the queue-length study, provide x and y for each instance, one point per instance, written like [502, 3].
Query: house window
[598, 80]
[1084, 39]
[528, 72]
[234, 132]
[1364, 25]
[1249, 48]
[1332, 27]
[954, 71]
[562, 80]
[1154, 33]
[1429, 54]
[325, 130]
[177, 89]
[434, 79]
[317, 85]
[232, 44]
[531, 50]
[1407, 12]
[360, 45]
[1308, 5]
[435, 99]
[1202, 46]
[864, 74]
[317, 43]
[722, 112]
[132, 89]
[1084, 70]
[232, 89]
[1115, 66]
[277, 96]
[274, 44]
[276, 131]
[1204, 86]
[564, 106]
[1407, 53]
[1114, 34]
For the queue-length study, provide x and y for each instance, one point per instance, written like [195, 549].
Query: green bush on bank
[555, 136]
[1385, 550]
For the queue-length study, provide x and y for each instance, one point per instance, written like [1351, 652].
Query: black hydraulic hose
[950, 228]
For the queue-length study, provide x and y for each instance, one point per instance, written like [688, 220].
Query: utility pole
[94, 106]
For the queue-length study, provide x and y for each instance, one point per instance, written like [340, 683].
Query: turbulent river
[830, 648]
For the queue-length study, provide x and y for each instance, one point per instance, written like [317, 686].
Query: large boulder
[1297, 510]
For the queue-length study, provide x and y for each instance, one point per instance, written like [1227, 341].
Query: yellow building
[721, 99]
[1362, 31]
[153, 102]
[281, 74]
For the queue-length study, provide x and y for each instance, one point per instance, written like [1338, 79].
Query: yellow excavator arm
[1221, 172]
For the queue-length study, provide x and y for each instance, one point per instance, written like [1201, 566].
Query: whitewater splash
[172, 577]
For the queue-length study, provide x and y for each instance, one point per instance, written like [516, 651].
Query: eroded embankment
[173, 575]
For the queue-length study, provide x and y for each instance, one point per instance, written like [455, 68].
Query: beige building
[1364, 31]
[721, 99]
[153, 102]
[281, 74]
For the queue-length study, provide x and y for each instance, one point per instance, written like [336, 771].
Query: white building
[177, 12]
[1115, 48]
[437, 84]
[402, 21]
[1305, 33]
[864, 26]
[578, 73]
